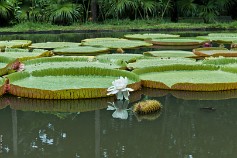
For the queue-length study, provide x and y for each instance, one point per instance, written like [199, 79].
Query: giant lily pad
[171, 47]
[170, 53]
[161, 62]
[114, 43]
[120, 59]
[15, 44]
[187, 77]
[67, 83]
[53, 45]
[23, 55]
[220, 61]
[226, 64]
[222, 34]
[177, 41]
[65, 62]
[149, 36]
[216, 53]
[219, 39]
[81, 50]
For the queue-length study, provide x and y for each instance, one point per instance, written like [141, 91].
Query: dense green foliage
[66, 12]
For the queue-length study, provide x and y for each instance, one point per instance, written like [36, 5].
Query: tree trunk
[174, 11]
[94, 10]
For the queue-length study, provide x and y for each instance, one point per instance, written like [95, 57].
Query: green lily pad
[22, 54]
[81, 50]
[115, 43]
[53, 45]
[149, 36]
[172, 47]
[65, 62]
[120, 59]
[222, 34]
[188, 77]
[177, 41]
[220, 61]
[219, 39]
[170, 53]
[67, 83]
[216, 53]
[15, 44]
[161, 62]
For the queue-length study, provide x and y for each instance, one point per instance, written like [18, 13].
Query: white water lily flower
[120, 88]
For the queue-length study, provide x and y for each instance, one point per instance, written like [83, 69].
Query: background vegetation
[67, 12]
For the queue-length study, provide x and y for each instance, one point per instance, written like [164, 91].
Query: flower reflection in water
[43, 137]
[120, 107]
[47, 136]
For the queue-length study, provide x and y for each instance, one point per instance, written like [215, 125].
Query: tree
[6, 12]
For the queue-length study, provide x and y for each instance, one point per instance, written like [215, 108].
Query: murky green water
[190, 125]
[183, 129]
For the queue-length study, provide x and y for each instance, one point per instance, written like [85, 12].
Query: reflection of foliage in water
[63, 115]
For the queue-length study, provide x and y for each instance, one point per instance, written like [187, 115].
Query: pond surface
[190, 124]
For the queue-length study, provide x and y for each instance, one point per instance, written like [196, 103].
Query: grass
[117, 25]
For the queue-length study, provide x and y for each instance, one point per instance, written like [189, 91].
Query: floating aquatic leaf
[170, 53]
[148, 36]
[114, 43]
[119, 59]
[23, 55]
[223, 34]
[215, 52]
[182, 41]
[15, 44]
[81, 50]
[219, 39]
[222, 61]
[188, 77]
[161, 62]
[67, 83]
[53, 45]
[66, 62]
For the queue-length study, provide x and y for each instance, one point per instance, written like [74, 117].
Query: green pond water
[190, 125]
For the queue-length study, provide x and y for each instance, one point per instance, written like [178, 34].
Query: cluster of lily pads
[100, 67]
